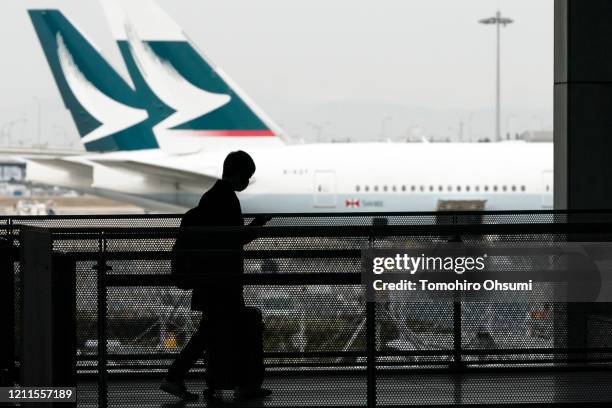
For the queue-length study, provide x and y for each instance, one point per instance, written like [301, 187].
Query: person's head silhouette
[238, 168]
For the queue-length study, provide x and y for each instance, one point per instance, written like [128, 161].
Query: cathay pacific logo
[189, 106]
[174, 90]
[188, 101]
[113, 115]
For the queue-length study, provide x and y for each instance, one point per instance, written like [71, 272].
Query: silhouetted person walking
[230, 332]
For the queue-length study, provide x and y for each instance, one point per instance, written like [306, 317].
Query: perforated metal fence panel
[315, 340]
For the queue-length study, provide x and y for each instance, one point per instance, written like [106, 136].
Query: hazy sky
[346, 63]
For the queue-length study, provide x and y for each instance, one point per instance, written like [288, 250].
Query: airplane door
[325, 189]
[547, 189]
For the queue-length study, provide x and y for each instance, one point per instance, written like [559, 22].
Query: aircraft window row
[439, 188]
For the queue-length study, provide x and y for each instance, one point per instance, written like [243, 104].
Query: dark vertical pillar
[583, 126]
[583, 104]
[371, 354]
[7, 314]
[49, 313]
[36, 369]
[64, 320]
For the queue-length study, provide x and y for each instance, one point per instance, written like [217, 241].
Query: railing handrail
[322, 214]
[376, 231]
[275, 279]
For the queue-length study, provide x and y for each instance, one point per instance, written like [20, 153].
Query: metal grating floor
[393, 390]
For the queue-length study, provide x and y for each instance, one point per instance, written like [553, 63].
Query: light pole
[499, 21]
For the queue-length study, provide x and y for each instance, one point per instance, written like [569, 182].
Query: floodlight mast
[499, 21]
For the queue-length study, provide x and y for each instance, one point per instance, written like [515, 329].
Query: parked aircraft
[159, 138]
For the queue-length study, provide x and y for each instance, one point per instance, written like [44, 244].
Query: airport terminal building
[193, 254]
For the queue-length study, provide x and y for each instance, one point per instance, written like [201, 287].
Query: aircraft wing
[145, 175]
[78, 173]
[158, 170]
[25, 153]
[70, 172]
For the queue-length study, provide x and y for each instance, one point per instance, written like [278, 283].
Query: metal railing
[322, 252]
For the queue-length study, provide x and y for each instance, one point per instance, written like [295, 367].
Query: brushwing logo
[113, 116]
[187, 100]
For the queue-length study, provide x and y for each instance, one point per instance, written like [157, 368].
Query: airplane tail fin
[107, 111]
[208, 110]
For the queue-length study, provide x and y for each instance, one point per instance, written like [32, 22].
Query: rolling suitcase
[234, 355]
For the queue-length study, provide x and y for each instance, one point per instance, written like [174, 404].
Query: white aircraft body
[159, 138]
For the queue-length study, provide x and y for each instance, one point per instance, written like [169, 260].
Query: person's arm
[258, 221]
